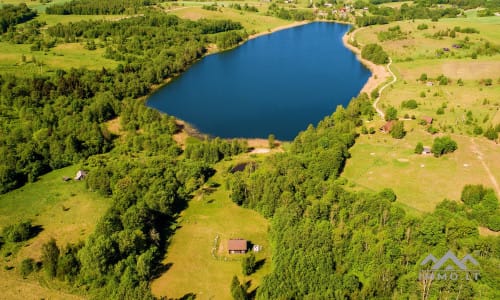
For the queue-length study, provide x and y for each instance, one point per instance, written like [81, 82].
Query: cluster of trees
[331, 243]
[384, 14]
[289, 14]
[147, 192]
[392, 34]
[18, 232]
[51, 121]
[212, 151]
[482, 205]
[409, 104]
[443, 145]
[244, 7]
[11, 15]
[97, 7]
[375, 53]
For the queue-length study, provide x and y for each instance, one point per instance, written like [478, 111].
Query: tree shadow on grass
[162, 268]
[259, 264]
[35, 230]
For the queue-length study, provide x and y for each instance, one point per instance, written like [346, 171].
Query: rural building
[427, 150]
[237, 246]
[80, 175]
[427, 120]
[387, 127]
[429, 83]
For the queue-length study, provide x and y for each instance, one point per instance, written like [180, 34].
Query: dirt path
[394, 79]
[479, 155]
[380, 73]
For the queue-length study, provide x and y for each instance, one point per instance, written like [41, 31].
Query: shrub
[443, 145]
[419, 148]
[375, 53]
[18, 232]
[27, 266]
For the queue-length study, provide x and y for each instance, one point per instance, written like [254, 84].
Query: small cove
[278, 83]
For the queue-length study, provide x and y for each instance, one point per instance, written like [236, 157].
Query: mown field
[197, 258]
[466, 101]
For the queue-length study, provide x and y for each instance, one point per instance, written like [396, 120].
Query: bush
[27, 266]
[391, 114]
[375, 53]
[443, 145]
[410, 104]
[388, 194]
[422, 26]
[248, 264]
[398, 130]
[18, 232]
[491, 133]
[419, 148]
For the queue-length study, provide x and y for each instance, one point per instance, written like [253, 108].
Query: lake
[277, 83]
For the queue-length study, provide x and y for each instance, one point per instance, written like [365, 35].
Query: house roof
[427, 149]
[427, 119]
[387, 126]
[237, 244]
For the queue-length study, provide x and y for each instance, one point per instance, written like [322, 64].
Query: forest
[329, 242]
[96, 7]
[51, 121]
[11, 15]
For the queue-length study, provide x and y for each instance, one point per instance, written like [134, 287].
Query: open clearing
[192, 267]
[419, 181]
[65, 211]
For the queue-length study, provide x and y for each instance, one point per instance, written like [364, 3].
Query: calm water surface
[278, 83]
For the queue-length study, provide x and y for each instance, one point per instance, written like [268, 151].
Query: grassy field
[253, 22]
[65, 211]
[193, 267]
[420, 182]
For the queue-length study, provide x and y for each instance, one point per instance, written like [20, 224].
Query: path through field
[479, 155]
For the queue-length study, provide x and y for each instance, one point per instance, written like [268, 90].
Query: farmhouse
[237, 246]
[427, 150]
[387, 127]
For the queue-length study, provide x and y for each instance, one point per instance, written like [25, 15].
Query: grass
[419, 181]
[253, 22]
[193, 269]
[65, 211]
[64, 56]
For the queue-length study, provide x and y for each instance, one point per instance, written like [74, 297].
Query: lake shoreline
[379, 72]
[378, 76]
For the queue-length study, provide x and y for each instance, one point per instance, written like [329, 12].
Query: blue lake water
[278, 83]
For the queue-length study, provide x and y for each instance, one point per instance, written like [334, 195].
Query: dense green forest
[97, 7]
[328, 241]
[51, 121]
[11, 15]
[57, 119]
[332, 243]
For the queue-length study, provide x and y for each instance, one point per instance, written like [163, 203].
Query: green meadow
[64, 210]
[197, 258]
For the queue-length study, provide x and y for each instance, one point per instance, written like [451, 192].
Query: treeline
[384, 14]
[289, 14]
[98, 7]
[49, 122]
[147, 191]
[11, 15]
[331, 243]
[212, 151]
